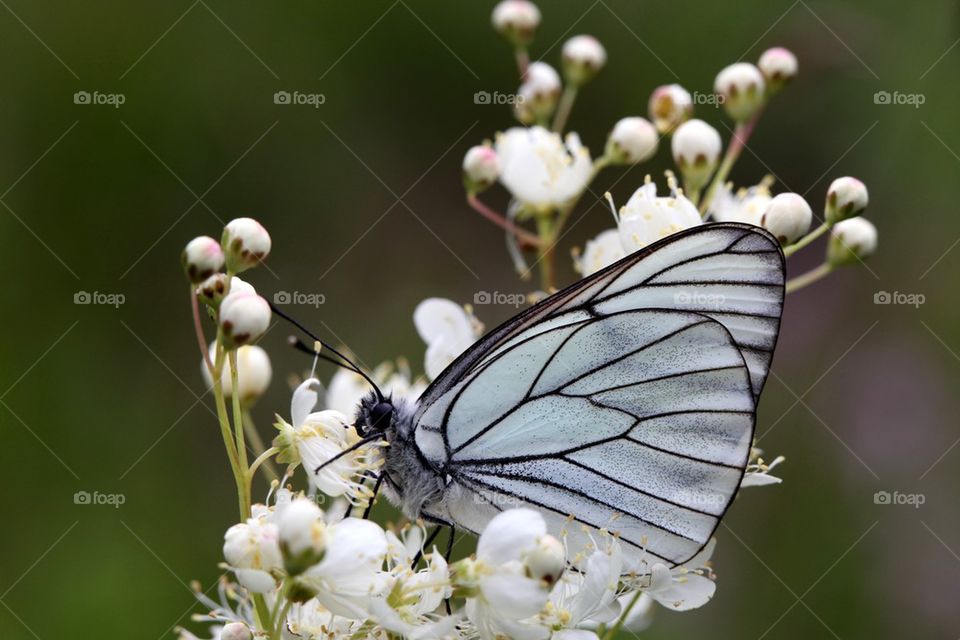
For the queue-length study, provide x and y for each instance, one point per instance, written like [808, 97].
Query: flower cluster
[308, 562]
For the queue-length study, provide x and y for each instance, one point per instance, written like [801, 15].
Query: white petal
[304, 400]
[256, 580]
[509, 534]
[574, 634]
[513, 596]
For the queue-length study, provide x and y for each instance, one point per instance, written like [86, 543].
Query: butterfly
[626, 401]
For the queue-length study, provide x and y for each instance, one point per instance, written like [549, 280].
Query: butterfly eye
[380, 416]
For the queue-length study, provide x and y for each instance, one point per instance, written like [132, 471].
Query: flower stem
[523, 61]
[807, 239]
[615, 629]
[809, 277]
[524, 236]
[261, 459]
[280, 619]
[546, 254]
[741, 134]
[228, 440]
[257, 444]
[198, 329]
[564, 108]
[237, 411]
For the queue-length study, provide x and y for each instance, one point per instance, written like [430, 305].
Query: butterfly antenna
[343, 361]
[350, 449]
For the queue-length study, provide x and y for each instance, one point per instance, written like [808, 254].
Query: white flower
[480, 167]
[602, 251]
[746, 205]
[302, 533]
[583, 56]
[778, 66]
[696, 149]
[632, 140]
[538, 95]
[243, 317]
[246, 244]
[235, 631]
[758, 473]
[501, 595]
[351, 570]
[742, 87]
[202, 257]
[670, 106]
[516, 20]
[539, 170]
[252, 550]
[587, 597]
[315, 438]
[253, 372]
[847, 197]
[681, 588]
[787, 217]
[447, 329]
[646, 218]
[851, 240]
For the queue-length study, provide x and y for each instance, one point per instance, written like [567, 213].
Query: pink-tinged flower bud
[847, 197]
[516, 20]
[583, 57]
[787, 217]
[480, 168]
[778, 66]
[546, 561]
[246, 244]
[303, 535]
[235, 631]
[253, 373]
[244, 317]
[696, 149]
[670, 106]
[539, 93]
[202, 257]
[850, 241]
[742, 88]
[632, 140]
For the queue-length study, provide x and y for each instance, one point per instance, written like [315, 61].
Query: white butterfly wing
[609, 404]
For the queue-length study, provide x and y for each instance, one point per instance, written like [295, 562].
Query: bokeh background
[363, 199]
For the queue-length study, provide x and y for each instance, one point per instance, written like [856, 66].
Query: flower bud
[583, 57]
[696, 150]
[235, 631]
[787, 217]
[202, 257]
[742, 87]
[303, 535]
[516, 20]
[778, 66]
[670, 106]
[246, 244]
[547, 560]
[480, 168]
[212, 290]
[632, 140]
[851, 240]
[244, 317]
[539, 93]
[253, 373]
[847, 197]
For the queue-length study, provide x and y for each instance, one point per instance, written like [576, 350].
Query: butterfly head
[375, 415]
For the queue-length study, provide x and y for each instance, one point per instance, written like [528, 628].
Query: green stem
[741, 134]
[807, 239]
[257, 444]
[809, 277]
[524, 236]
[261, 459]
[280, 619]
[615, 629]
[228, 441]
[562, 114]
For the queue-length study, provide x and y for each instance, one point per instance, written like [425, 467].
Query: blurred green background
[97, 198]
